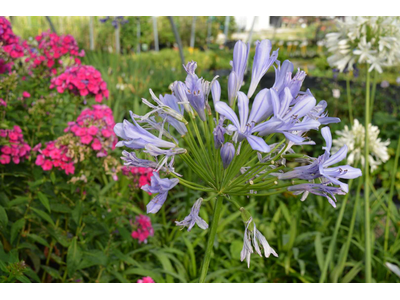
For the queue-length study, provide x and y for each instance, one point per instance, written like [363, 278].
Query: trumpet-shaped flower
[262, 62]
[320, 166]
[244, 128]
[136, 137]
[159, 186]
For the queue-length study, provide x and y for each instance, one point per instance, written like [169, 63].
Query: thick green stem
[349, 99]
[367, 221]
[390, 199]
[211, 238]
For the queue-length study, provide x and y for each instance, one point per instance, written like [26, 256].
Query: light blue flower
[135, 137]
[159, 186]
[262, 62]
[227, 154]
[193, 218]
[244, 128]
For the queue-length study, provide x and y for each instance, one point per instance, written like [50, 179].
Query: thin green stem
[372, 100]
[334, 236]
[211, 238]
[367, 221]
[390, 199]
[343, 259]
[349, 99]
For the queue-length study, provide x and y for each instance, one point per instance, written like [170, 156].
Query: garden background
[81, 220]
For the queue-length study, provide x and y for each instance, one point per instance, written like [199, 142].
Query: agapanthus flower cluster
[143, 229]
[354, 138]
[94, 128]
[52, 51]
[83, 81]
[236, 147]
[55, 155]
[10, 42]
[13, 148]
[372, 40]
[139, 176]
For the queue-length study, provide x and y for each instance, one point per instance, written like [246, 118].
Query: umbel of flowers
[372, 40]
[143, 229]
[12, 146]
[83, 81]
[92, 131]
[229, 147]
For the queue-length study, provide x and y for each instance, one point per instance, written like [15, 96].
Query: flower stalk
[367, 221]
[211, 238]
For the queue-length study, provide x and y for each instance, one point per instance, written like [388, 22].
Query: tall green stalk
[367, 221]
[349, 99]
[372, 100]
[334, 236]
[390, 199]
[211, 238]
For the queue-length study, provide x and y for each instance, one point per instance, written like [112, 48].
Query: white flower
[372, 40]
[354, 138]
[254, 236]
[336, 93]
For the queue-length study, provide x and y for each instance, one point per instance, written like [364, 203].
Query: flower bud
[227, 154]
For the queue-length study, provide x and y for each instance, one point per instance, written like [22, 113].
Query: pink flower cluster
[54, 156]
[10, 42]
[146, 280]
[3, 103]
[140, 176]
[52, 48]
[81, 80]
[13, 146]
[95, 128]
[144, 229]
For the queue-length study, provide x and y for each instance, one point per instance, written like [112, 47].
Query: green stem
[349, 99]
[372, 100]
[334, 236]
[342, 261]
[367, 221]
[390, 199]
[211, 238]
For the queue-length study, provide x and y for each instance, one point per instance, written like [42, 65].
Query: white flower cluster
[354, 138]
[372, 40]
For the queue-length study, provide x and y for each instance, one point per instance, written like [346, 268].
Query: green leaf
[23, 279]
[3, 217]
[43, 215]
[38, 239]
[77, 212]
[52, 272]
[352, 273]
[74, 256]
[318, 251]
[28, 271]
[44, 200]
[17, 201]
[16, 228]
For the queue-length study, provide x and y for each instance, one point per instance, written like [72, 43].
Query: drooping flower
[253, 237]
[320, 189]
[193, 218]
[159, 186]
[320, 166]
